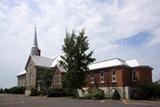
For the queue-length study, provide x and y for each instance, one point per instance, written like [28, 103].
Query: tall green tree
[76, 59]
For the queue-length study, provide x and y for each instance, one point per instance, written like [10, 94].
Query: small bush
[116, 95]
[59, 92]
[87, 96]
[34, 92]
[96, 94]
[99, 94]
[44, 92]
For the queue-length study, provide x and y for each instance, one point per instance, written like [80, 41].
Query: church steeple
[35, 50]
[35, 43]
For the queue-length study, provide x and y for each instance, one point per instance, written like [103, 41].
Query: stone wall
[108, 91]
[21, 80]
[30, 76]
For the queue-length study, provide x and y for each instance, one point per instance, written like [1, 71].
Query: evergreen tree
[76, 59]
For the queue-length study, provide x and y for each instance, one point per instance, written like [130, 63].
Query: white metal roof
[41, 61]
[21, 73]
[107, 63]
[132, 63]
[113, 62]
[56, 61]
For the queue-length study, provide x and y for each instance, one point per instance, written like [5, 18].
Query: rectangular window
[113, 76]
[102, 77]
[57, 80]
[133, 75]
[92, 78]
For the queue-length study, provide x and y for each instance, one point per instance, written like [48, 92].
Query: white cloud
[156, 35]
[105, 22]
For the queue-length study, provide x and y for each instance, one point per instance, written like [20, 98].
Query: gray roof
[22, 73]
[41, 61]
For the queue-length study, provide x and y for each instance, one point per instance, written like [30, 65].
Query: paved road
[25, 101]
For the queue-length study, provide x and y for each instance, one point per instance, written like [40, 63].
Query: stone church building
[107, 75]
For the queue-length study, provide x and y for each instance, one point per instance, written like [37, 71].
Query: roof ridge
[108, 60]
[42, 57]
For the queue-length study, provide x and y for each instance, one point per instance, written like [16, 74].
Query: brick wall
[143, 76]
[107, 77]
[123, 77]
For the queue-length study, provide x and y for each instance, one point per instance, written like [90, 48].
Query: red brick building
[118, 74]
[113, 74]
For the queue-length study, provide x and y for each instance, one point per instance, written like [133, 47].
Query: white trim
[113, 75]
[92, 79]
[102, 77]
[133, 75]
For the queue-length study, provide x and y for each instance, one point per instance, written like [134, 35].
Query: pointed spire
[35, 43]
[35, 50]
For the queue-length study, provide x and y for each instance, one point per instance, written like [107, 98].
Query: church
[107, 75]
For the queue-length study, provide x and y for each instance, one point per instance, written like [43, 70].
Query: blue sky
[128, 29]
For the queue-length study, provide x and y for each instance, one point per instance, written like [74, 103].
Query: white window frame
[113, 75]
[57, 79]
[92, 79]
[102, 77]
[133, 75]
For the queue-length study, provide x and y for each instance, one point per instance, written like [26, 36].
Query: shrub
[6, 90]
[155, 91]
[87, 96]
[145, 92]
[44, 92]
[95, 94]
[1, 90]
[116, 95]
[141, 93]
[34, 92]
[55, 93]
[99, 94]
[59, 92]
[17, 90]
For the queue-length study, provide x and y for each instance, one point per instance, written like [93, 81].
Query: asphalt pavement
[9, 100]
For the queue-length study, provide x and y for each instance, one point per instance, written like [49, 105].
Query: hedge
[146, 92]
[13, 90]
